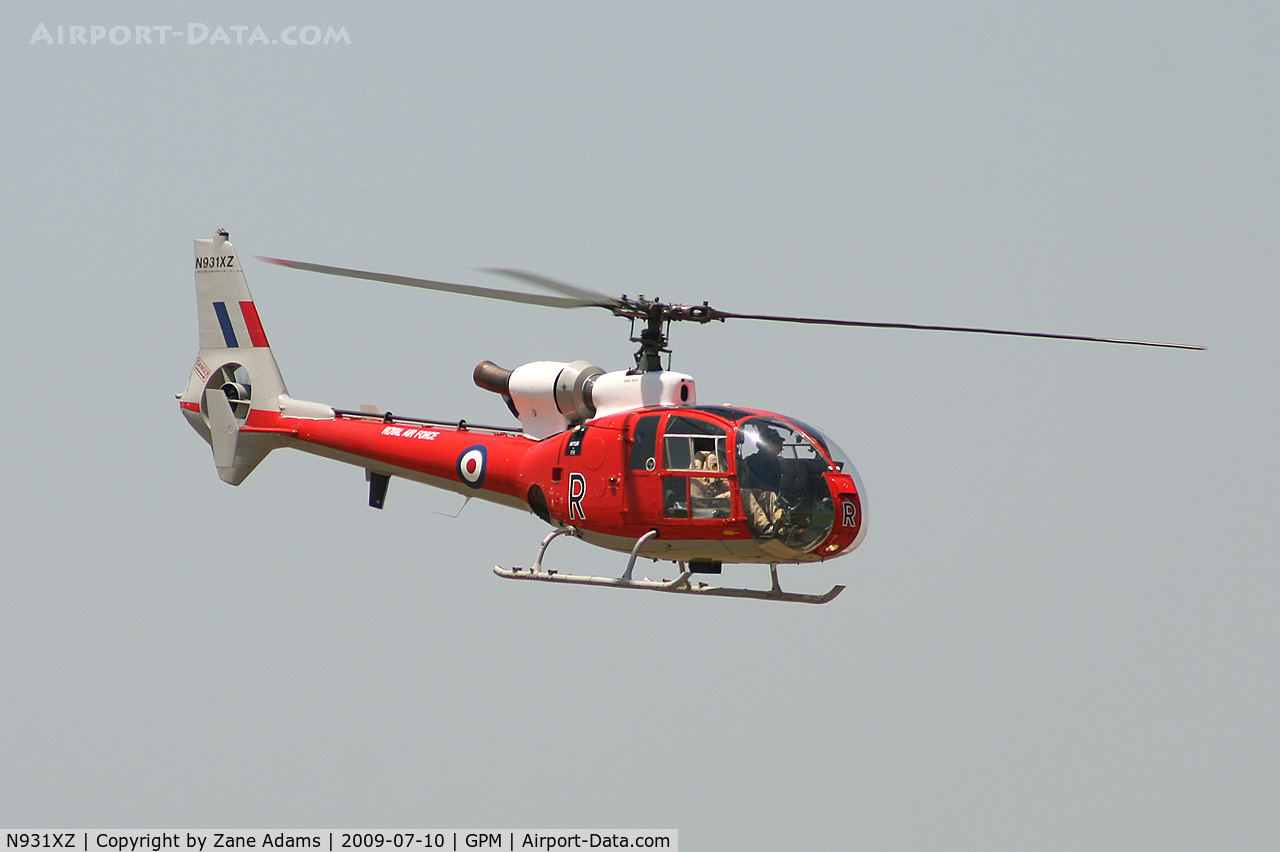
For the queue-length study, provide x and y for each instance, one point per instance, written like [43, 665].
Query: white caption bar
[331, 840]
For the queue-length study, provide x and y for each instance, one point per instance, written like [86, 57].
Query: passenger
[708, 495]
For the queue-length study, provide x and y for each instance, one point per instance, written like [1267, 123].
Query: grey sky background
[1061, 631]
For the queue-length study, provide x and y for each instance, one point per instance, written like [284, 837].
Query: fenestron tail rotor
[657, 315]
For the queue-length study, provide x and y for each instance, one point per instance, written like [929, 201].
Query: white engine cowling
[550, 397]
[620, 391]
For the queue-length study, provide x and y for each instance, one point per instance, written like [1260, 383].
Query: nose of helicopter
[849, 502]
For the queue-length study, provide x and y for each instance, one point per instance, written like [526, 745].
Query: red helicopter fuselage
[695, 475]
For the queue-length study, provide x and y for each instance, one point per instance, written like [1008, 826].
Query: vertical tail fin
[235, 372]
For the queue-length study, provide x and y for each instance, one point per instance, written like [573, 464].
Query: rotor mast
[652, 339]
[658, 316]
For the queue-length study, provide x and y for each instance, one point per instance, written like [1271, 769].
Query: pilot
[763, 468]
[762, 480]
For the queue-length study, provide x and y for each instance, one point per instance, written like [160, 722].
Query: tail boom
[471, 462]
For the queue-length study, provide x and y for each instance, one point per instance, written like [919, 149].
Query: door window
[694, 445]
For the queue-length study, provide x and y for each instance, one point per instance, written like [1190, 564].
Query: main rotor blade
[463, 289]
[571, 290]
[815, 321]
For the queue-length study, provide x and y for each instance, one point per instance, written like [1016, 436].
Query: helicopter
[629, 461]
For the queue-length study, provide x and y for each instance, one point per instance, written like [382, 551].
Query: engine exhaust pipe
[491, 377]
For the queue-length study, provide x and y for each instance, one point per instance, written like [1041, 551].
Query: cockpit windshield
[838, 455]
[784, 492]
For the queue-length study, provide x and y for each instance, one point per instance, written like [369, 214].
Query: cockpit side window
[692, 444]
[644, 443]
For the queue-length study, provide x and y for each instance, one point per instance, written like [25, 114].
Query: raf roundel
[471, 466]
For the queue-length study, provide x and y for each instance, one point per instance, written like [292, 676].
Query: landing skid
[680, 585]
